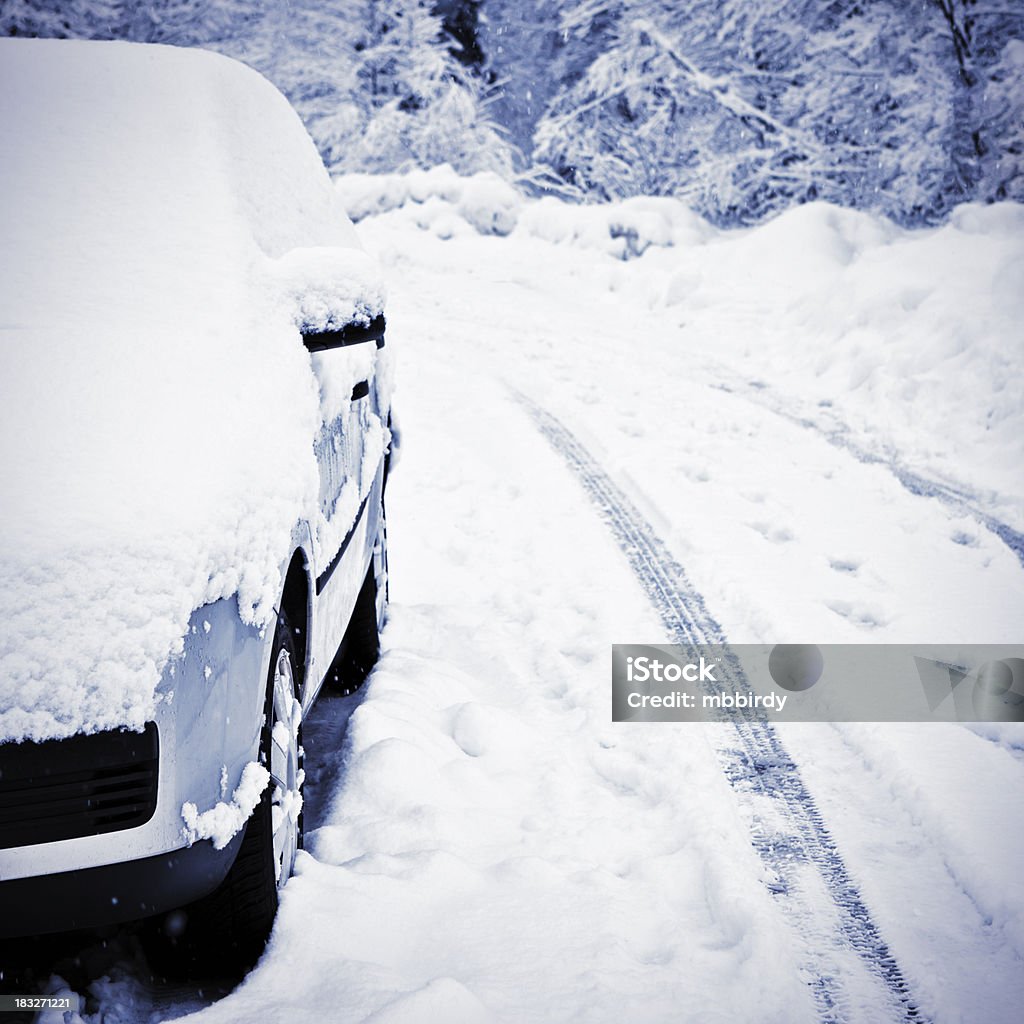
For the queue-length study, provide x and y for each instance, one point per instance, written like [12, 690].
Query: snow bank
[906, 343]
[439, 198]
[983, 842]
[156, 432]
[448, 204]
[624, 229]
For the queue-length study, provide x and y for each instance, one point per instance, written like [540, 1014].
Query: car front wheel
[251, 891]
[230, 927]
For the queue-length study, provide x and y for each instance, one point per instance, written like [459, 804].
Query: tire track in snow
[849, 968]
[839, 436]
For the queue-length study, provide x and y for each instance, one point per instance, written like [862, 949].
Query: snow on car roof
[158, 410]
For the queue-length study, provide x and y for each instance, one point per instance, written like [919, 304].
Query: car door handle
[361, 390]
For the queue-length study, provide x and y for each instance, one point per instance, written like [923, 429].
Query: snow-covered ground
[820, 420]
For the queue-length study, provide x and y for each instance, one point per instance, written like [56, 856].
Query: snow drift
[900, 340]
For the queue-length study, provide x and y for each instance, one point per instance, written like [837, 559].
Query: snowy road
[828, 914]
[490, 846]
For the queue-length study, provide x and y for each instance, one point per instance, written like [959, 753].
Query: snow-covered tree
[378, 82]
[306, 49]
[522, 46]
[53, 19]
[180, 22]
[392, 69]
[740, 107]
[745, 108]
[1000, 109]
[986, 39]
[187, 22]
[460, 20]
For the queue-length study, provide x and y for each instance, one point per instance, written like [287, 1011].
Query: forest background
[739, 108]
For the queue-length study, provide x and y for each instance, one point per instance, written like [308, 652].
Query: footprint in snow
[844, 565]
[775, 534]
[859, 615]
[967, 540]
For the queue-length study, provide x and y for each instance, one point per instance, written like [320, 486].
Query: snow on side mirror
[350, 334]
[335, 296]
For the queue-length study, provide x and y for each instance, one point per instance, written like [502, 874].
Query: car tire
[228, 930]
[360, 648]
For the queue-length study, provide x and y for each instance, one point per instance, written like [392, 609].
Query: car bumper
[208, 720]
[87, 898]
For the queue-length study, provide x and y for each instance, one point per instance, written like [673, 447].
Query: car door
[349, 454]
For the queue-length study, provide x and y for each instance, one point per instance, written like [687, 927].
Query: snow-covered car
[194, 445]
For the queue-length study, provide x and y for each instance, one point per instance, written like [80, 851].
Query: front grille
[80, 786]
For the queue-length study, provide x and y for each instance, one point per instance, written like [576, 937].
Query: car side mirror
[351, 334]
[335, 295]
